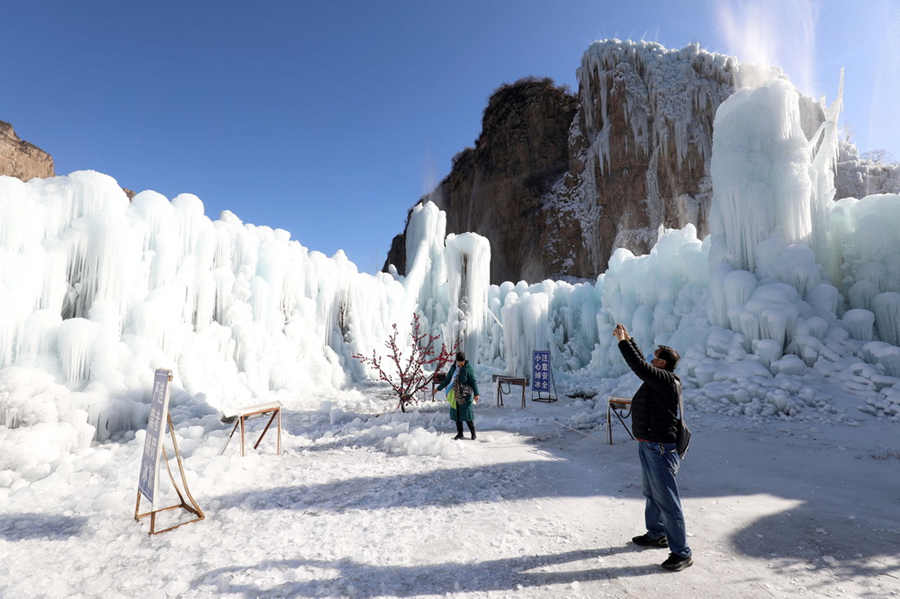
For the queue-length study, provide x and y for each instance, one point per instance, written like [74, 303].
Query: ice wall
[661, 297]
[865, 238]
[770, 288]
[96, 292]
[790, 267]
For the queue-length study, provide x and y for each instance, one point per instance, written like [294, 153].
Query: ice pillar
[760, 171]
[468, 259]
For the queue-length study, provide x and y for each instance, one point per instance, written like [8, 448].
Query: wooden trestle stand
[621, 407]
[509, 381]
[273, 408]
[150, 464]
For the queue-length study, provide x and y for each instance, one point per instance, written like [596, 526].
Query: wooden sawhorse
[509, 380]
[621, 407]
[274, 408]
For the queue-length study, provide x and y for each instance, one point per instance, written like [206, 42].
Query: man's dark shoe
[646, 540]
[458, 437]
[677, 562]
[473, 436]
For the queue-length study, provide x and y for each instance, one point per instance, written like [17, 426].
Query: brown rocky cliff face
[25, 160]
[495, 189]
[644, 127]
[556, 182]
[21, 159]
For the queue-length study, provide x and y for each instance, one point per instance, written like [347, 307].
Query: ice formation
[665, 74]
[760, 163]
[664, 94]
[96, 292]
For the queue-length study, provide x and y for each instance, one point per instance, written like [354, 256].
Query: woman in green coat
[462, 380]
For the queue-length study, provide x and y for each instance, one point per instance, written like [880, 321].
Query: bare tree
[407, 372]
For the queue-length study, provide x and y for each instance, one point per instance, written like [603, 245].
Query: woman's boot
[459, 433]
[471, 428]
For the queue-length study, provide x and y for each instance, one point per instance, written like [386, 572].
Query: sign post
[148, 482]
[542, 377]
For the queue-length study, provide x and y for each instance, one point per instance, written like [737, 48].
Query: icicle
[76, 339]
[823, 149]
[468, 260]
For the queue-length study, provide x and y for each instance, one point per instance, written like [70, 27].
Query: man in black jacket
[654, 421]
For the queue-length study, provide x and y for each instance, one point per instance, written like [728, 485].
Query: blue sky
[331, 119]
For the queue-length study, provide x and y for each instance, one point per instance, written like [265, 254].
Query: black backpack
[682, 432]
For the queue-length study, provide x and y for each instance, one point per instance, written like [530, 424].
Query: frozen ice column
[425, 269]
[468, 259]
[760, 171]
[447, 280]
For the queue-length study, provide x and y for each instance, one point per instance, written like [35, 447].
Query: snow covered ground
[366, 501]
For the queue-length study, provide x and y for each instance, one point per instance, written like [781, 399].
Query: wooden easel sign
[148, 482]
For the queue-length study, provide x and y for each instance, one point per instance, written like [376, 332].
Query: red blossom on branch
[407, 375]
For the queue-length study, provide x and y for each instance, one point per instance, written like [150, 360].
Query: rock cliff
[21, 159]
[497, 188]
[858, 177]
[557, 181]
[24, 160]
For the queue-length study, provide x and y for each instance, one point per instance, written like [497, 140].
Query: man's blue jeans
[663, 515]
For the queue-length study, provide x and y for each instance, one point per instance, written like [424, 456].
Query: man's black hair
[664, 352]
[460, 356]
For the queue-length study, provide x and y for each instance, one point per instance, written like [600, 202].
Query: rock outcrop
[497, 188]
[26, 161]
[556, 181]
[21, 159]
[858, 177]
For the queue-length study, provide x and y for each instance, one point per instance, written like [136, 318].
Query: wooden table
[621, 407]
[509, 380]
[273, 408]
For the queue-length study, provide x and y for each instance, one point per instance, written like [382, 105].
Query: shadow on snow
[366, 580]
[19, 527]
